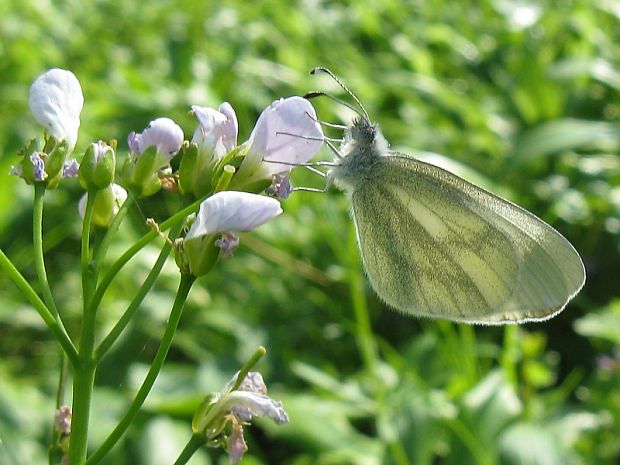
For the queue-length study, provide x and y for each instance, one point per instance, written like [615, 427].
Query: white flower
[56, 101]
[217, 133]
[163, 133]
[233, 211]
[248, 401]
[286, 132]
[236, 408]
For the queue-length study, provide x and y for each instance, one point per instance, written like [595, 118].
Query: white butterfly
[435, 245]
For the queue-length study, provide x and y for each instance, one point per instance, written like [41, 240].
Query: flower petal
[286, 131]
[56, 101]
[217, 133]
[246, 405]
[236, 446]
[163, 133]
[233, 211]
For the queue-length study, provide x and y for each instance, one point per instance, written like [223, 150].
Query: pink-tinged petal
[233, 211]
[217, 133]
[163, 133]
[56, 101]
[231, 129]
[236, 444]
[286, 131]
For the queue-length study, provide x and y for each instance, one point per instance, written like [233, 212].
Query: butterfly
[435, 245]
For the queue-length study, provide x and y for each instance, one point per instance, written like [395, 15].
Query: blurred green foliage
[525, 95]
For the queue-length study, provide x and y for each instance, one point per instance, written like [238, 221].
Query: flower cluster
[223, 183]
[286, 135]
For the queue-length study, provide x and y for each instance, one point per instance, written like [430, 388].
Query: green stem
[175, 315]
[47, 316]
[365, 336]
[194, 443]
[85, 263]
[39, 263]
[136, 247]
[122, 323]
[83, 382]
[37, 241]
[118, 219]
[247, 366]
[84, 373]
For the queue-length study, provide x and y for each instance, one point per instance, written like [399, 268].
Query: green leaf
[604, 324]
[565, 134]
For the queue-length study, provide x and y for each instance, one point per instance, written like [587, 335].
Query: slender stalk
[122, 323]
[85, 255]
[136, 247]
[247, 366]
[58, 331]
[37, 241]
[194, 443]
[111, 231]
[365, 336]
[84, 373]
[175, 315]
[83, 383]
[39, 263]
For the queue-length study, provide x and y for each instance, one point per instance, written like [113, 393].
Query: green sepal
[201, 253]
[141, 173]
[54, 163]
[198, 420]
[97, 174]
[196, 172]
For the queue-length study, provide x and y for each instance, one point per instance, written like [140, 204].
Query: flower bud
[56, 102]
[151, 151]
[98, 165]
[108, 201]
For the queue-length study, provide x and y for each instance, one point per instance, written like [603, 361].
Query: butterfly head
[362, 131]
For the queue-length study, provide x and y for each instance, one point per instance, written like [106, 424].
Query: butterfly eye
[363, 131]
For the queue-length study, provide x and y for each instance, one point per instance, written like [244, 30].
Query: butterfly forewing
[435, 245]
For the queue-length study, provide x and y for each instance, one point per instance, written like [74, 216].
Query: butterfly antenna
[316, 93]
[322, 69]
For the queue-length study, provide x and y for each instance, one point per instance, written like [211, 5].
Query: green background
[521, 97]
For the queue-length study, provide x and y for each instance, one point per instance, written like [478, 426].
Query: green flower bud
[98, 166]
[108, 201]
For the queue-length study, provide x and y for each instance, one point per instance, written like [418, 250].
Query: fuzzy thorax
[360, 150]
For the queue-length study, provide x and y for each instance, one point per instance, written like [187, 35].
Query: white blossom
[56, 101]
[286, 134]
[233, 211]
